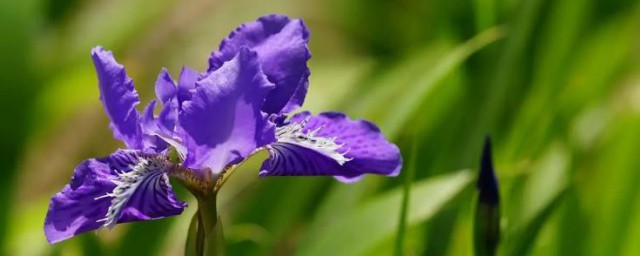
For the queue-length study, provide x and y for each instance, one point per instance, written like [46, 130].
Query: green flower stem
[205, 236]
[208, 214]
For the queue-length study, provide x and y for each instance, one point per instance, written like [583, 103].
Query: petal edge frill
[119, 98]
[281, 45]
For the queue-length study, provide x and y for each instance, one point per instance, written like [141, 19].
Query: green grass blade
[406, 193]
[526, 237]
[536, 198]
[370, 223]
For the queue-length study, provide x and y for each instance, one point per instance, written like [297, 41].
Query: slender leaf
[526, 237]
[369, 223]
[406, 193]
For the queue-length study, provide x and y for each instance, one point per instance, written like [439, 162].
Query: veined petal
[222, 123]
[281, 44]
[289, 159]
[119, 98]
[331, 144]
[125, 186]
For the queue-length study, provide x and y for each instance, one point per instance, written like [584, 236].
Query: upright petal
[159, 132]
[331, 144]
[167, 121]
[282, 50]
[186, 82]
[147, 120]
[162, 128]
[166, 88]
[150, 131]
[125, 186]
[168, 116]
[222, 122]
[119, 98]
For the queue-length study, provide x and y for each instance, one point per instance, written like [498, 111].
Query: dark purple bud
[487, 182]
[487, 214]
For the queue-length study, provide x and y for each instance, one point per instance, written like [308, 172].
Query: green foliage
[556, 83]
[344, 234]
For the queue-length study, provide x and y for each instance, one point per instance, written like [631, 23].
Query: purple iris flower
[244, 103]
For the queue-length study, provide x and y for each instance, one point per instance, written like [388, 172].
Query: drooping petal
[331, 144]
[119, 98]
[289, 159]
[166, 88]
[125, 186]
[222, 123]
[281, 44]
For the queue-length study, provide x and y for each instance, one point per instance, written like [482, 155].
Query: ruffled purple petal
[222, 123]
[281, 44]
[331, 144]
[119, 98]
[93, 200]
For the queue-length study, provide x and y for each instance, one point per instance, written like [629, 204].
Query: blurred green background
[556, 84]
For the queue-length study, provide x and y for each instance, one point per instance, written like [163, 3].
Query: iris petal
[165, 87]
[147, 120]
[123, 187]
[186, 82]
[119, 98]
[281, 44]
[360, 144]
[289, 159]
[168, 116]
[151, 142]
[161, 129]
[222, 123]
[167, 91]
